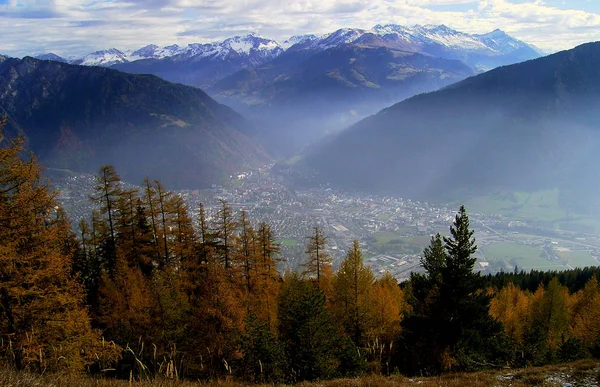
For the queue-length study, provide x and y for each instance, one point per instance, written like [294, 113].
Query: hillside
[527, 126]
[78, 118]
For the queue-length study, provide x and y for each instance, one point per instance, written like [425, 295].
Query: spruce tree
[451, 327]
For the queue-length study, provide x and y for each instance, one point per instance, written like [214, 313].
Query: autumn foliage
[147, 287]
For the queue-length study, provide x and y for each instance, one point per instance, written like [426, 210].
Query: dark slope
[81, 117]
[526, 126]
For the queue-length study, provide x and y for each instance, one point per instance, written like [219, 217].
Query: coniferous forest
[140, 290]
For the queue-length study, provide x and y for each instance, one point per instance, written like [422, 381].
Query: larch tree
[44, 325]
[551, 314]
[510, 306]
[268, 277]
[352, 289]
[388, 305]
[107, 191]
[319, 262]
[224, 229]
[585, 320]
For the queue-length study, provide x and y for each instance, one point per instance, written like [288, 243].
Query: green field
[540, 205]
[514, 254]
[577, 258]
[390, 242]
[384, 217]
[289, 242]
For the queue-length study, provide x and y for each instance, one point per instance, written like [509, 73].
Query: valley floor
[582, 373]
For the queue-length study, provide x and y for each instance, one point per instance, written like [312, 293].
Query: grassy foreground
[582, 373]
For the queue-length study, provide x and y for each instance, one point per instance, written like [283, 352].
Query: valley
[526, 231]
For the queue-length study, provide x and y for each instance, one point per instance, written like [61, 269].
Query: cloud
[77, 27]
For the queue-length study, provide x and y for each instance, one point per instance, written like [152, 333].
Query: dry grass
[582, 373]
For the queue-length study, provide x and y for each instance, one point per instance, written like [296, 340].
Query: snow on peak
[254, 46]
[251, 42]
[341, 36]
[103, 58]
[154, 52]
[499, 41]
[298, 39]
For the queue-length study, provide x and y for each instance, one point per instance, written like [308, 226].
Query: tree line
[141, 289]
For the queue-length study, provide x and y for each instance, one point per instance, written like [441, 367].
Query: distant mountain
[481, 52]
[531, 125]
[152, 51]
[311, 85]
[78, 118]
[322, 84]
[203, 64]
[51, 56]
[102, 58]
[299, 97]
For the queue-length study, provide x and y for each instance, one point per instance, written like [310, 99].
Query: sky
[77, 27]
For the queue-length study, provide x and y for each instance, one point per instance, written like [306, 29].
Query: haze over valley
[499, 138]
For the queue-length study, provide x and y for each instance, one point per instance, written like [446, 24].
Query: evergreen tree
[451, 327]
[306, 330]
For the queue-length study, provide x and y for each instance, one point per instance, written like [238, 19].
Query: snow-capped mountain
[250, 46]
[203, 64]
[430, 39]
[440, 41]
[499, 41]
[102, 58]
[299, 39]
[154, 52]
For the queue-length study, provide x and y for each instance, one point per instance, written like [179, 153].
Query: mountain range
[480, 51]
[532, 125]
[78, 118]
[308, 86]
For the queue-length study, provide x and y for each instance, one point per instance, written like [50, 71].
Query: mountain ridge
[526, 126]
[79, 117]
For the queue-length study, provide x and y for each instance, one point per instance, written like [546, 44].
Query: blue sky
[77, 27]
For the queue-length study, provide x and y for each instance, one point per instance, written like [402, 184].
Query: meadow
[581, 373]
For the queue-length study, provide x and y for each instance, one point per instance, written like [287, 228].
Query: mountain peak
[51, 56]
[496, 33]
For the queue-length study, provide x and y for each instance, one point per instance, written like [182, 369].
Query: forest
[142, 289]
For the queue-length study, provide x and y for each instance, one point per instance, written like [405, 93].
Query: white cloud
[80, 26]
